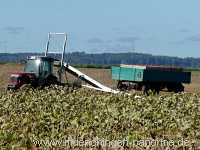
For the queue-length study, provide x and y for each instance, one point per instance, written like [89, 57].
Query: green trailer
[155, 78]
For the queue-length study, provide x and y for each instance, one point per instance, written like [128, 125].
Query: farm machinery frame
[39, 71]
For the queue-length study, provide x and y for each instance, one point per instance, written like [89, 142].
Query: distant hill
[78, 58]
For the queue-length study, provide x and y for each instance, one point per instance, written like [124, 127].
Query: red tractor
[38, 70]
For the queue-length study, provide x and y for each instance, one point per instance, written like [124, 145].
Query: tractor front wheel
[25, 87]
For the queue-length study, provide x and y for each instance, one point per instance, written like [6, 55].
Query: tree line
[107, 59]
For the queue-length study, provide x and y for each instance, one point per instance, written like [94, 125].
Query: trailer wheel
[156, 91]
[145, 89]
[122, 86]
[175, 87]
[156, 88]
[179, 88]
[119, 85]
[170, 87]
[138, 86]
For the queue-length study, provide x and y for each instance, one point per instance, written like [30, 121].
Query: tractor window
[32, 66]
[47, 67]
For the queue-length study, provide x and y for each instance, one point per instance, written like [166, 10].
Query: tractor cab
[38, 71]
[41, 66]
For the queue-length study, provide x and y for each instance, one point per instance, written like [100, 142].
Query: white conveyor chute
[95, 84]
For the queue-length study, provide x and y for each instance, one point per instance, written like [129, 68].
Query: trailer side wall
[127, 74]
[166, 76]
[139, 75]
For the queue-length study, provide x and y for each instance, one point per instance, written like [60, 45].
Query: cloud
[3, 42]
[128, 39]
[108, 41]
[194, 38]
[95, 41]
[181, 42]
[116, 29]
[184, 30]
[13, 30]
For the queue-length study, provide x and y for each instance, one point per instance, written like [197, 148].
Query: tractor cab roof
[43, 58]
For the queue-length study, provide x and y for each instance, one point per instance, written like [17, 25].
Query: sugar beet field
[62, 118]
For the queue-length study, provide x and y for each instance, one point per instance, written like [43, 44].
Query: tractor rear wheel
[50, 80]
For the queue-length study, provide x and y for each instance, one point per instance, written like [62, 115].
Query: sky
[158, 27]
